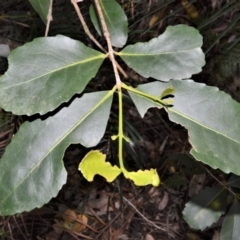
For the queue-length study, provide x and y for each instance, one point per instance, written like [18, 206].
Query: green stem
[120, 131]
[143, 94]
[140, 177]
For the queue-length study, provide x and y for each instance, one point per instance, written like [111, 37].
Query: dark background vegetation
[120, 210]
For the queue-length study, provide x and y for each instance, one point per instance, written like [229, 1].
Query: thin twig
[85, 27]
[49, 18]
[19, 228]
[109, 44]
[89, 34]
[12, 21]
[10, 230]
[109, 223]
[75, 234]
[24, 225]
[147, 220]
[96, 216]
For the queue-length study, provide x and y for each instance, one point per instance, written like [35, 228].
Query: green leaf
[45, 73]
[230, 228]
[143, 178]
[116, 21]
[205, 208]
[95, 163]
[176, 54]
[31, 169]
[41, 7]
[210, 115]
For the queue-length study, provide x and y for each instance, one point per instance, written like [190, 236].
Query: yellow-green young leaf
[114, 137]
[176, 54]
[41, 7]
[168, 102]
[142, 178]
[95, 163]
[168, 91]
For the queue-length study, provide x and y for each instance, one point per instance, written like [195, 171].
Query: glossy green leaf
[230, 228]
[31, 169]
[176, 54]
[143, 178]
[210, 115]
[95, 163]
[116, 21]
[41, 7]
[205, 208]
[45, 73]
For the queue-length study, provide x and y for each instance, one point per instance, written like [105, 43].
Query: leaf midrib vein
[153, 54]
[53, 71]
[109, 94]
[200, 124]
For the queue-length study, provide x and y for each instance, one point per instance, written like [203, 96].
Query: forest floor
[120, 210]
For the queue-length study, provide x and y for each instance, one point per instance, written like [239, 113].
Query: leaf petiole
[120, 131]
[163, 102]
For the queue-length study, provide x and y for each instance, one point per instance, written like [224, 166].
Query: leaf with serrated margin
[205, 208]
[41, 7]
[230, 228]
[116, 21]
[210, 116]
[31, 169]
[176, 54]
[45, 73]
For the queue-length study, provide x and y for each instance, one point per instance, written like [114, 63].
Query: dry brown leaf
[68, 225]
[80, 226]
[190, 9]
[164, 201]
[100, 205]
[73, 221]
[116, 234]
[149, 237]
[154, 193]
[196, 184]
[163, 145]
[149, 146]
[215, 4]
[70, 215]
[157, 18]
